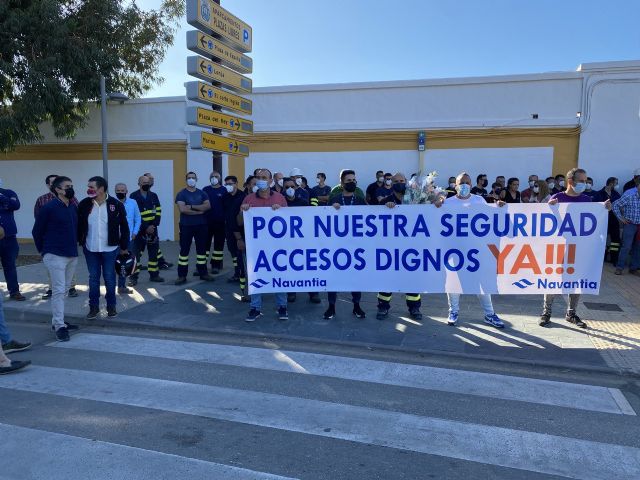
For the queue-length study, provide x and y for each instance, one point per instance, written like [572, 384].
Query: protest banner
[515, 249]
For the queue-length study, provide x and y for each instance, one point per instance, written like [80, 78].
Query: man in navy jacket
[9, 249]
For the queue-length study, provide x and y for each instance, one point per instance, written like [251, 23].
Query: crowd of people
[111, 229]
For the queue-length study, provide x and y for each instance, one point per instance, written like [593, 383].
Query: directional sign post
[221, 41]
[218, 143]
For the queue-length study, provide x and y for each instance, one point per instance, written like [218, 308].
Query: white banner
[518, 248]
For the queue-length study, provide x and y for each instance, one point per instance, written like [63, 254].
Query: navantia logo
[205, 13]
[523, 283]
[259, 283]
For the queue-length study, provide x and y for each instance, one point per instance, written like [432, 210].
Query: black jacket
[117, 226]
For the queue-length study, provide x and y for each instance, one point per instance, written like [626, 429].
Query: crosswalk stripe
[30, 453]
[562, 394]
[530, 451]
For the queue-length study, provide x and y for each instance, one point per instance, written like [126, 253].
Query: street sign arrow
[210, 17]
[212, 119]
[213, 72]
[218, 143]
[203, 93]
[210, 47]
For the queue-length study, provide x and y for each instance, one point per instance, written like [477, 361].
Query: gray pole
[216, 157]
[103, 118]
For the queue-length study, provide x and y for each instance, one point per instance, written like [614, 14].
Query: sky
[338, 41]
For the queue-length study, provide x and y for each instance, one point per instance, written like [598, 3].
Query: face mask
[319, 180]
[561, 183]
[616, 187]
[145, 188]
[69, 193]
[214, 181]
[229, 188]
[463, 189]
[191, 182]
[536, 189]
[387, 182]
[350, 187]
[485, 183]
[399, 187]
[91, 193]
[551, 185]
[531, 184]
[452, 185]
[254, 189]
[580, 187]
[290, 192]
[298, 181]
[380, 179]
[262, 184]
[589, 185]
[121, 195]
[280, 182]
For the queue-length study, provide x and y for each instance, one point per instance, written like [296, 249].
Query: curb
[38, 318]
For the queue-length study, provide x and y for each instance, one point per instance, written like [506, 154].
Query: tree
[52, 53]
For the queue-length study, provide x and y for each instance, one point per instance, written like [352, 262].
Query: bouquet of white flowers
[421, 189]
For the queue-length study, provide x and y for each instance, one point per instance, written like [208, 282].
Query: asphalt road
[137, 404]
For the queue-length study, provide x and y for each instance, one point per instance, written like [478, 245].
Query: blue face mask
[262, 184]
[580, 187]
[463, 189]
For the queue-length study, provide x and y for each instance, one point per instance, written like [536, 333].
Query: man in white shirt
[102, 228]
[465, 197]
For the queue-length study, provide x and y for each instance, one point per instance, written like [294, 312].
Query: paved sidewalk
[612, 341]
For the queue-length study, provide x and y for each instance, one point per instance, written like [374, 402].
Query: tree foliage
[52, 53]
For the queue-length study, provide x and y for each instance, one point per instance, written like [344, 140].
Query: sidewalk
[612, 341]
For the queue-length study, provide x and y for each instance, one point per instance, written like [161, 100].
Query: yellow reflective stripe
[412, 298]
[314, 202]
[153, 269]
[180, 257]
[235, 261]
[384, 298]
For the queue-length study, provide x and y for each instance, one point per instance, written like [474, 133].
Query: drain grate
[604, 307]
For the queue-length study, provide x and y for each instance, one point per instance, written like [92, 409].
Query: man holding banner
[264, 197]
[466, 198]
[576, 185]
[345, 197]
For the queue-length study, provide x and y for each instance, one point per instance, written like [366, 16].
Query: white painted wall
[26, 178]
[510, 162]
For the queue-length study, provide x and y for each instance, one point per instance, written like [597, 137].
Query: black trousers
[238, 260]
[139, 245]
[216, 232]
[189, 233]
[413, 300]
[613, 230]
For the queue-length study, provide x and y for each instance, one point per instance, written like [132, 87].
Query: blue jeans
[256, 300]
[629, 244]
[9, 250]
[5, 336]
[101, 263]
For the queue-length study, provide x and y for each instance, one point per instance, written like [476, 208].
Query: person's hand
[336, 206]
[390, 205]
[623, 221]
[151, 229]
[245, 206]
[275, 206]
[133, 237]
[439, 201]
[501, 203]
[553, 201]
[607, 204]
[240, 244]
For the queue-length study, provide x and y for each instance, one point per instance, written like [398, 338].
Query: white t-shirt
[472, 200]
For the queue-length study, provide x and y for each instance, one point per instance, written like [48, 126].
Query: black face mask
[350, 187]
[485, 183]
[121, 195]
[400, 187]
[69, 193]
[145, 188]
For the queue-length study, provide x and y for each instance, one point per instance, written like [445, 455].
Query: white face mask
[387, 182]
[536, 189]
[272, 184]
[280, 182]
[290, 192]
[589, 185]
[531, 184]
[380, 179]
[616, 187]
[254, 189]
[191, 182]
[298, 181]
[214, 181]
[551, 185]
[319, 180]
[561, 183]
[229, 188]
[452, 186]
